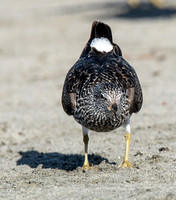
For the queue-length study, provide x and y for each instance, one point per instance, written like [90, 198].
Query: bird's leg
[86, 165]
[126, 162]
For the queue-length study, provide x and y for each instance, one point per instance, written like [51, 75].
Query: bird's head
[108, 97]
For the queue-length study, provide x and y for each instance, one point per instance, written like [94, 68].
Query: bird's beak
[113, 107]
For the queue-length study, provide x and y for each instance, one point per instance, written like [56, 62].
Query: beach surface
[41, 148]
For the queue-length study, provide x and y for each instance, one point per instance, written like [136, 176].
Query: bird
[102, 90]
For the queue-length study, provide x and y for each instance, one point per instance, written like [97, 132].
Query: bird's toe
[125, 164]
[85, 167]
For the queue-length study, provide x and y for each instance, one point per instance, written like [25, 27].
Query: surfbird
[102, 89]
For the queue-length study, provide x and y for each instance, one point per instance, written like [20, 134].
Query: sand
[41, 148]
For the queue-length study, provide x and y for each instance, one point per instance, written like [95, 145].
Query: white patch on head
[101, 44]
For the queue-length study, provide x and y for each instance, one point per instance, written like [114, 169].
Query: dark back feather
[94, 68]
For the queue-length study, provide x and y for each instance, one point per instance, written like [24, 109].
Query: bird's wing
[71, 86]
[128, 78]
[91, 69]
[78, 78]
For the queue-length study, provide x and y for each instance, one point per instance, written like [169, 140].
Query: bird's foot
[125, 164]
[86, 167]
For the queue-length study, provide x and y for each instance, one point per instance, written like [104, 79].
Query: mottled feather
[101, 73]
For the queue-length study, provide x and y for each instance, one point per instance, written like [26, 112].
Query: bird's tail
[99, 30]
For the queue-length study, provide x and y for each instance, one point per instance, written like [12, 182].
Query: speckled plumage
[96, 73]
[102, 90]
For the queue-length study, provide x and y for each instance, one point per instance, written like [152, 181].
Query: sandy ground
[41, 148]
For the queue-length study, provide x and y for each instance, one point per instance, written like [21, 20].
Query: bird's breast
[96, 119]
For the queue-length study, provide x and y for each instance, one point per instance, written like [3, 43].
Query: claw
[85, 167]
[125, 164]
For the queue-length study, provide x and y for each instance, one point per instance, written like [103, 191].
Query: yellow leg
[126, 163]
[86, 165]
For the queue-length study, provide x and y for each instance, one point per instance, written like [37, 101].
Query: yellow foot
[86, 167]
[125, 164]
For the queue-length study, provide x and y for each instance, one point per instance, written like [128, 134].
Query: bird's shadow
[54, 160]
